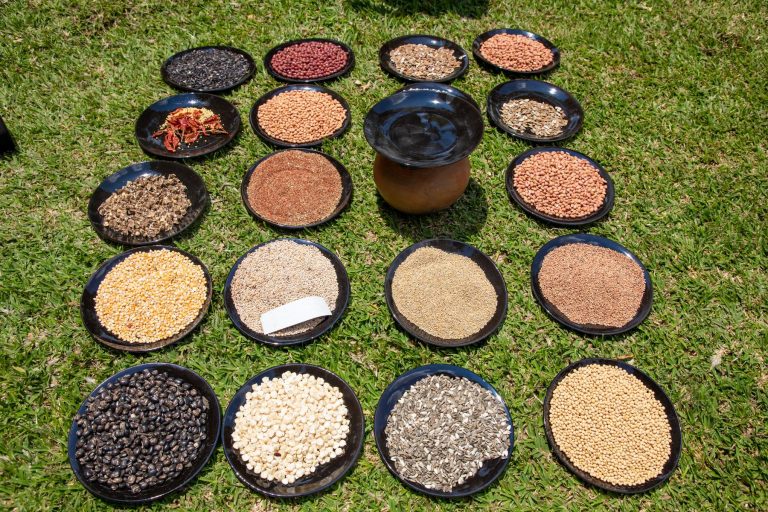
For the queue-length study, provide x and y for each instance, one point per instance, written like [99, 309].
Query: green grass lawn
[676, 110]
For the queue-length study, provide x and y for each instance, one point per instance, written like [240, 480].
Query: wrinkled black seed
[208, 69]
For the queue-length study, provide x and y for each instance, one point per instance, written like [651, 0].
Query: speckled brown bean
[516, 52]
[309, 60]
[301, 116]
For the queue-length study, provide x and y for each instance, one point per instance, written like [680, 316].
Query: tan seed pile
[610, 425]
[150, 296]
[560, 184]
[301, 116]
[446, 295]
[516, 52]
[278, 273]
[423, 62]
[537, 117]
[592, 285]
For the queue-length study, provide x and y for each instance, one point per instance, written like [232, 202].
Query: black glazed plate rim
[214, 423]
[394, 392]
[479, 40]
[481, 259]
[254, 119]
[599, 241]
[346, 190]
[669, 408]
[515, 196]
[196, 193]
[324, 327]
[176, 85]
[348, 458]
[102, 335]
[428, 40]
[326, 78]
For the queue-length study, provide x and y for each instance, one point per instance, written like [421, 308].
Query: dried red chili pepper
[188, 124]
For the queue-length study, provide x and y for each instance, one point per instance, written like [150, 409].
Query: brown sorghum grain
[423, 62]
[516, 52]
[299, 116]
[610, 425]
[592, 285]
[537, 117]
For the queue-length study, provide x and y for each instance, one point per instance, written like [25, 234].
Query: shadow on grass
[464, 8]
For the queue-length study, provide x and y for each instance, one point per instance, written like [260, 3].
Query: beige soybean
[299, 116]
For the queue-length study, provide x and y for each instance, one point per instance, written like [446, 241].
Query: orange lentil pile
[300, 116]
[516, 52]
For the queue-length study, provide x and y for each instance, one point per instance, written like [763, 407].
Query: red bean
[309, 60]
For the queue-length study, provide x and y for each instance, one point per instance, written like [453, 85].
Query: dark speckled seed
[208, 69]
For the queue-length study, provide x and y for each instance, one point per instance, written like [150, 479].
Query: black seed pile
[208, 69]
[141, 431]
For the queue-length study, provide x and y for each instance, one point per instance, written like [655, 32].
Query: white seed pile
[610, 425]
[289, 426]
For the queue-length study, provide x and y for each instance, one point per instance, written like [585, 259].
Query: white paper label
[294, 313]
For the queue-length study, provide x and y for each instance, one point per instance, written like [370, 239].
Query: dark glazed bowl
[295, 339]
[212, 438]
[491, 273]
[669, 409]
[325, 475]
[550, 219]
[425, 125]
[103, 335]
[491, 469]
[433, 42]
[478, 42]
[326, 78]
[196, 192]
[176, 85]
[596, 330]
[540, 91]
[7, 145]
[154, 116]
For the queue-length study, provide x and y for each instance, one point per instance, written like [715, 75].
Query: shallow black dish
[425, 125]
[516, 31]
[150, 120]
[550, 219]
[196, 192]
[327, 78]
[598, 330]
[346, 191]
[254, 118]
[491, 273]
[491, 469]
[669, 409]
[104, 336]
[148, 495]
[535, 90]
[325, 475]
[323, 327]
[244, 78]
[433, 42]
[7, 145]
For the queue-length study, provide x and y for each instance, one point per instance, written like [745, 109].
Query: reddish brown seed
[309, 60]
[516, 52]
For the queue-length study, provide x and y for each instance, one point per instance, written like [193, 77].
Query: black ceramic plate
[491, 273]
[103, 335]
[584, 238]
[486, 63]
[669, 409]
[213, 423]
[559, 221]
[154, 116]
[196, 192]
[425, 125]
[343, 71]
[7, 145]
[432, 42]
[325, 475]
[244, 78]
[535, 90]
[323, 327]
[491, 469]
[346, 191]
[254, 119]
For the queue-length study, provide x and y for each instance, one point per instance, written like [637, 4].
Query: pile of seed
[146, 206]
[443, 429]
[516, 52]
[309, 60]
[294, 188]
[560, 184]
[610, 425]
[423, 62]
[446, 295]
[278, 273]
[289, 426]
[536, 117]
[208, 69]
[299, 116]
[150, 296]
[592, 285]
[141, 431]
